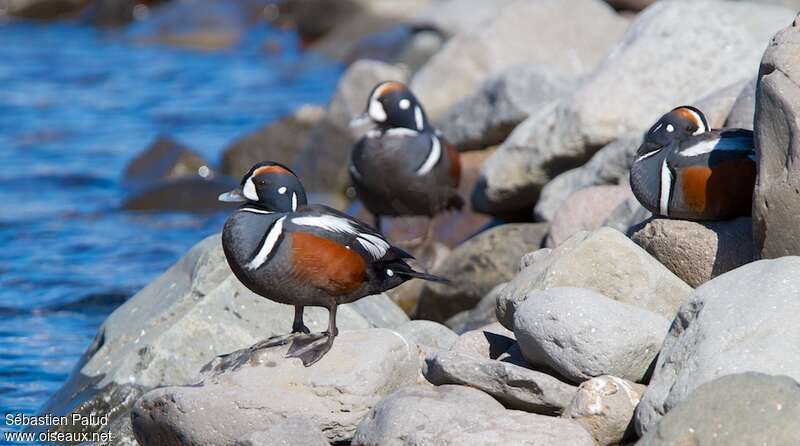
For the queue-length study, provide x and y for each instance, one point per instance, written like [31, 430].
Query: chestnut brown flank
[455, 163]
[695, 179]
[271, 169]
[726, 190]
[326, 264]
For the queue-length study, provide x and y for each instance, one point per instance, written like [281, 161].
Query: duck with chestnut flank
[303, 255]
[402, 167]
[686, 170]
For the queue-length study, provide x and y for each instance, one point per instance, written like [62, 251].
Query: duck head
[270, 186]
[392, 105]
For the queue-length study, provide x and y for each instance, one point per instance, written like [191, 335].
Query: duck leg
[298, 329]
[312, 348]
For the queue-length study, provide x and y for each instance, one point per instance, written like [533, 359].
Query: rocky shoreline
[575, 317]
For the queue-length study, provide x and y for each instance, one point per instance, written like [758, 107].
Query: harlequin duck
[305, 255]
[402, 167]
[686, 170]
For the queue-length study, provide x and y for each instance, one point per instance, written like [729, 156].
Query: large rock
[743, 110]
[610, 165]
[605, 261]
[604, 407]
[278, 141]
[744, 320]
[776, 199]
[733, 410]
[485, 118]
[514, 386]
[488, 342]
[456, 415]
[193, 312]
[523, 32]
[477, 266]
[582, 334]
[164, 159]
[256, 388]
[698, 251]
[628, 216]
[292, 430]
[322, 161]
[41, 9]
[479, 316]
[630, 90]
[585, 210]
[453, 17]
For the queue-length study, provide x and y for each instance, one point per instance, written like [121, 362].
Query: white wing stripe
[375, 245]
[726, 144]
[433, 157]
[268, 246]
[327, 222]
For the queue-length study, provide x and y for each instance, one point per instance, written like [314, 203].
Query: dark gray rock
[256, 388]
[514, 386]
[744, 320]
[456, 415]
[278, 141]
[776, 199]
[582, 334]
[698, 251]
[476, 266]
[733, 410]
[164, 159]
[486, 117]
[629, 91]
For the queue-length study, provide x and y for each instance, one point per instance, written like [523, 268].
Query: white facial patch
[282, 190]
[670, 128]
[418, 118]
[376, 111]
[404, 104]
[434, 155]
[389, 273]
[294, 201]
[268, 246]
[249, 190]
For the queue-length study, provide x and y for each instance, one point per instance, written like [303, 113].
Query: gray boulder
[605, 261]
[278, 141]
[744, 320]
[485, 118]
[488, 342]
[629, 91]
[776, 199]
[322, 161]
[582, 334]
[429, 334]
[453, 17]
[290, 431]
[476, 266]
[610, 165]
[481, 315]
[514, 386]
[604, 407]
[457, 415]
[256, 388]
[522, 32]
[585, 210]
[733, 410]
[628, 216]
[698, 251]
[193, 312]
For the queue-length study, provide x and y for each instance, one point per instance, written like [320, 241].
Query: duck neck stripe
[434, 154]
[666, 189]
[268, 245]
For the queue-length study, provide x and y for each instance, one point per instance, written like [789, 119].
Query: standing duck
[402, 167]
[292, 253]
[686, 170]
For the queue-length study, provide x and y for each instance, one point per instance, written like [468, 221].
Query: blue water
[76, 105]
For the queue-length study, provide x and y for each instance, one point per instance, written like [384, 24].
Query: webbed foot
[311, 348]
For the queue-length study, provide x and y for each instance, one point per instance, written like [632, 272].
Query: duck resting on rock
[402, 167]
[686, 170]
[303, 255]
